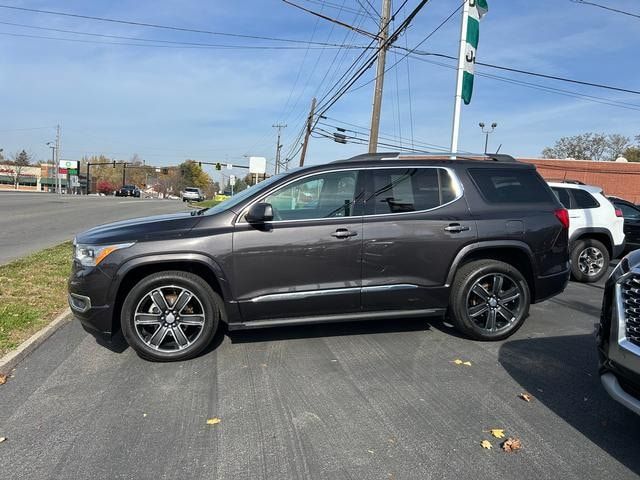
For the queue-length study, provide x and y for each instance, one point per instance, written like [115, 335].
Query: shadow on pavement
[336, 329]
[562, 373]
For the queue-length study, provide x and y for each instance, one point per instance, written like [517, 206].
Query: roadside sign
[75, 180]
[72, 171]
[69, 164]
[232, 180]
[62, 171]
[257, 165]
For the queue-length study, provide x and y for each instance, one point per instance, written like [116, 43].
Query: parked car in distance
[596, 232]
[192, 194]
[372, 237]
[618, 333]
[128, 191]
[631, 215]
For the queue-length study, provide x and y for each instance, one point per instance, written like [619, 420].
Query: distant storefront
[39, 178]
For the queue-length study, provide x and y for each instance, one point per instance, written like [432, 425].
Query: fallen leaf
[371, 451]
[486, 444]
[467, 363]
[457, 361]
[511, 445]
[144, 414]
[497, 432]
[2, 439]
[527, 397]
[213, 421]
[3, 379]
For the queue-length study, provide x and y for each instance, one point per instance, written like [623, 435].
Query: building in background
[618, 179]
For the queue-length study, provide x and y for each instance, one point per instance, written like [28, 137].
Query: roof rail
[566, 180]
[496, 157]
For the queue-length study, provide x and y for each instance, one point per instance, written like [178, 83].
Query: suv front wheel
[489, 300]
[589, 260]
[170, 315]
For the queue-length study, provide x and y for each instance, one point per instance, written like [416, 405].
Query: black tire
[472, 313]
[589, 260]
[206, 304]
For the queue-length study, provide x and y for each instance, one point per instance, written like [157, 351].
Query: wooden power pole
[377, 95]
[308, 132]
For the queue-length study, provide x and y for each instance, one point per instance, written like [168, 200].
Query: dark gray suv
[382, 236]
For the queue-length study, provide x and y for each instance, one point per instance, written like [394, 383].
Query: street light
[52, 146]
[487, 132]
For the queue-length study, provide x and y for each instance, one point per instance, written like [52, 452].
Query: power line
[163, 27]
[569, 93]
[171, 42]
[623, 12]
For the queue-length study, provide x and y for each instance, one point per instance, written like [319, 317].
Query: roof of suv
[588, 188]
[488, 160]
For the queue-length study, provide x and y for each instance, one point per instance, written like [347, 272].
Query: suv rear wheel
[170, 315]
[489, 300]
[589, 260]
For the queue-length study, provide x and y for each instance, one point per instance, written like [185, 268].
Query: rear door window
[583, 199]
[401, 190]
[510, 186]
[563, 196]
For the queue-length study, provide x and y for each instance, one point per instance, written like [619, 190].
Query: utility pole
[279, 126]
[377, 95]
[57, 161]
[308, 132]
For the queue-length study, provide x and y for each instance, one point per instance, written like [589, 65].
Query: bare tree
[19, 160]
[618, 144]
[588, 146]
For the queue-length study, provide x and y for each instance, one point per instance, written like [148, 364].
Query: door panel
[410, 252]
[308, 260]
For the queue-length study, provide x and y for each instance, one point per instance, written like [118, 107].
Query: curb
[13, 358]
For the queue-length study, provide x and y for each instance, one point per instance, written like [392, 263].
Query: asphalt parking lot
[40, 220]
[376, 400]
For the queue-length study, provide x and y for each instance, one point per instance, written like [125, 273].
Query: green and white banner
[477, 9]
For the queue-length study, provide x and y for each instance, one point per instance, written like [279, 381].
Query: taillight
[562, 214]
[619, 213]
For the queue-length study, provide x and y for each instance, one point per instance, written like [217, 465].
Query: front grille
[630, 290]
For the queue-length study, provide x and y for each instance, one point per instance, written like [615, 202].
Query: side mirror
[260, 213]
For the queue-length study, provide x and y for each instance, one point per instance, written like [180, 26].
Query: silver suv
[192, 194]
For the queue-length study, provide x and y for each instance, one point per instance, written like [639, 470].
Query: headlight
[92, 255]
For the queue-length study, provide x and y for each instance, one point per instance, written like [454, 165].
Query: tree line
[599, 147]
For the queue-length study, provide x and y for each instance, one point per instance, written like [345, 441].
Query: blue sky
[169, 104]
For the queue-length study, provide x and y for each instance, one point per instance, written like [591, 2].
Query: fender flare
[473, 247]
[587, 230]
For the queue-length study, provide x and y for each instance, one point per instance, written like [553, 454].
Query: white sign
[232, 180]
[75, 180]
[257, 165]
[229, 166]
[69, 164]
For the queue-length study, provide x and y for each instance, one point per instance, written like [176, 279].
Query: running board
[344, 317]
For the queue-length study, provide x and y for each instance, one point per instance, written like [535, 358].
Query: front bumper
[619, 354]
[89, 300]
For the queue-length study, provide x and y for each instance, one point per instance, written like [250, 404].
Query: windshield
[240, 197]
[191, 190]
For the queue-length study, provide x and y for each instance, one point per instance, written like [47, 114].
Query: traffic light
[200, 164]
[165, 171]
[218, 166]
[114, 164]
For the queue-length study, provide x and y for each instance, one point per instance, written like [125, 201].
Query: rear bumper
[551, 285]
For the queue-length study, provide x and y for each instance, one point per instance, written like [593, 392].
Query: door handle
[344, 233]
[456, 228]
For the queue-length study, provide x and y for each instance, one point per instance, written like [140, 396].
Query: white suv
[596, 232]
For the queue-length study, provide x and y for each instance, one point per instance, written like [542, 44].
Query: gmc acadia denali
[375, 236]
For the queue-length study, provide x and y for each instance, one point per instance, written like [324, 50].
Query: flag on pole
[477, 9]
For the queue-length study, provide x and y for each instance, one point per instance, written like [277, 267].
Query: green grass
[33, 290]
[206, 203]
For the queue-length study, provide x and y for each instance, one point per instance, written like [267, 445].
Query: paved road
[379, 400]
[32, 221]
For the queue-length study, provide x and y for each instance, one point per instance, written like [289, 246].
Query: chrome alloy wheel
[169, 318]
[494, 302]
[590, 261]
